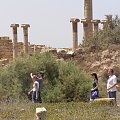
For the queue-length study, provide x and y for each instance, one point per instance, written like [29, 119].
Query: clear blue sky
[50, 19]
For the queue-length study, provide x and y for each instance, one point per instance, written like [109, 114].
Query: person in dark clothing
[39, 79]
[94, 91]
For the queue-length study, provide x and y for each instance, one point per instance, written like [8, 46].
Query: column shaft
[75, 36]
[88, 14]
[75, 32]
[95, 25]
[25, 32]
[88, 9]
[105, 24]
[15, 51]
[86, 30]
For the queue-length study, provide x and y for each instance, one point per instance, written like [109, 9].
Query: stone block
[41, 113]
[110, 101]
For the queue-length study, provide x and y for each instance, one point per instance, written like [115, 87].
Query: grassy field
[59, 111]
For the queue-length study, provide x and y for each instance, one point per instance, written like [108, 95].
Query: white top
[111, 81]
[34, 88]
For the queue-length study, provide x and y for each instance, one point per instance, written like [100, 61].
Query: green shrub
[71, 85]
[63, 81]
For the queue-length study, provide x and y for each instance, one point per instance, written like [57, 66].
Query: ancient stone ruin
[90, 25]
[10, 49]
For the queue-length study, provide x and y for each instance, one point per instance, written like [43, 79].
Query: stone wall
[6, 49]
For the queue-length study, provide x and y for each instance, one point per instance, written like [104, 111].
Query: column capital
[14, 25]
[95, 21]
[25, 25]
[74, 20]
[85, 20]
[104, 21]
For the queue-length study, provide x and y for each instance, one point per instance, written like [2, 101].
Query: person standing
[94, 91]
[35, 90]
[39, 79]
[111, 84]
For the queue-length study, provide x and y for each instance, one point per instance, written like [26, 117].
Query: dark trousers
[112, 94]
[34, 100]
[39, 98]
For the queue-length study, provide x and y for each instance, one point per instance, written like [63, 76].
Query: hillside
[90, 59]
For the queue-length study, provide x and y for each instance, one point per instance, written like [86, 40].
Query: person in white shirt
[111, 84]
[35, 90]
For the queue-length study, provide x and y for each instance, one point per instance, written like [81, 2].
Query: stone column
[15, 51]
[95, 25]
[75, 32]
[88, 9]
[88, 14]
[34, 48]
[105, 24]
[25, 32]
[86, 31]
[109, 21]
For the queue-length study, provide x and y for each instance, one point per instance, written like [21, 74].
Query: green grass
[59, 111]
